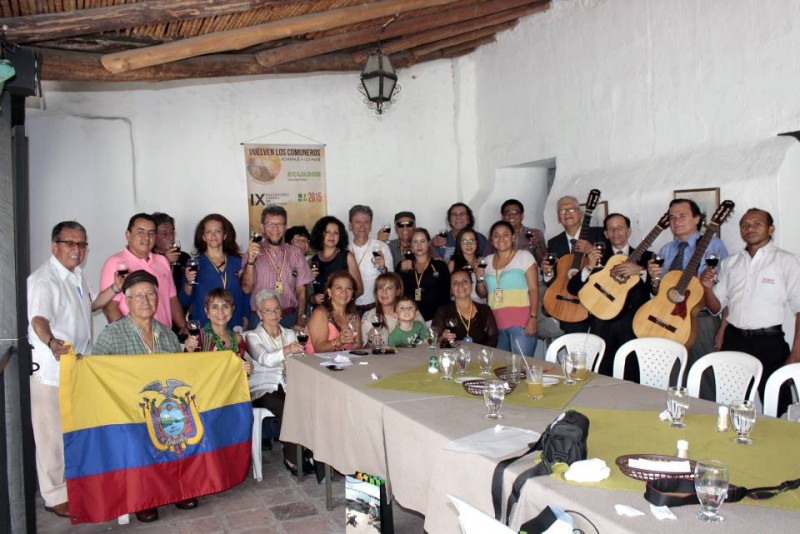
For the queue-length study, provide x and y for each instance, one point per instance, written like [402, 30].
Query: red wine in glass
[376, 322]
[124, 272]
[409, 255]
[257, 237]
[302, 338]
[193, 265]
[193, 327]
[468, 268]
[443, 232]
[482, 262]
[376, 253]
[658, 259]
[712, 260]
[529, 234]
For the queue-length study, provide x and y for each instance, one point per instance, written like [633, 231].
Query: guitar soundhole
[675, 296]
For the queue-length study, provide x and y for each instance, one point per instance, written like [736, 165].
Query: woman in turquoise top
[220, 267]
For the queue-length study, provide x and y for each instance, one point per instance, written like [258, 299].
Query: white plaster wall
[184, 149]
[608, 84]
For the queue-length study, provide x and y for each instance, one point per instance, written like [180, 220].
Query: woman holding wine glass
[425, 279]
[465, 319]
[329, 238]
[335, 325]
[388, 288]
[466, 257]
[215, 335]
[268, 346]
[219, 266]
[511, 285]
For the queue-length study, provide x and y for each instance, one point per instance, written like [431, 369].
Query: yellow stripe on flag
[216, 379]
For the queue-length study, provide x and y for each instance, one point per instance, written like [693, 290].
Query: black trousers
[772, 351]
[274, 403]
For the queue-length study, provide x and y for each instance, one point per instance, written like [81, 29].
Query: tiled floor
[277, 505]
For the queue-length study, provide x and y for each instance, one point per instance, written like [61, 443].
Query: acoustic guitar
[604, 294]
[672, 313]
[558, 301]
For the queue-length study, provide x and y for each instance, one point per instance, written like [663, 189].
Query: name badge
[467, 339]
[418, 294]
[498, 295]
[279, 287]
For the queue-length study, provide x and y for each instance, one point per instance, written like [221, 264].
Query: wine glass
[433, 332]
[446, 362]
[376, 252]
[256, 237]
[302, 337]
[494, 391]
[386, 227]
[712, 260]
[677, 404]
[451, 323]
[463, 357]
[711, 484]
[528, 234]
[743, 418]
[658, 259]
[193, 326]
[485, 361]
[193, 264]
[482, 262]
[443, 233]
[122, 269]
[601, 247]
[177, 246]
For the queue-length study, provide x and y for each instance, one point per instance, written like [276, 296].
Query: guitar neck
[584, 234]
[636, 255]
[694, 262]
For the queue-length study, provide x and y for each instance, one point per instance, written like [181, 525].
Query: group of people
[294, 292]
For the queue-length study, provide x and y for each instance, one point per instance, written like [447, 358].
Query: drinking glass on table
[462, 359]
[711, 484]
[743, 418]
[579, 353]
[446, 362]
[494, 391]
[569, 367]
[514, 368]
[535, 382]
[677, 404]
[485, 361]
[433, 337]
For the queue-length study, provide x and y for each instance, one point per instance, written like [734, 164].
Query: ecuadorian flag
[144, 431]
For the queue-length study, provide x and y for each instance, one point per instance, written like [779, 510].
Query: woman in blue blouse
[220, 267]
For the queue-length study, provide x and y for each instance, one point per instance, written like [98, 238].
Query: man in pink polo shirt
[141, 235]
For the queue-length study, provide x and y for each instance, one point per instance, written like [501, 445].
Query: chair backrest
[774, 383]
[656, 357]
[595, 348]
[734, 371]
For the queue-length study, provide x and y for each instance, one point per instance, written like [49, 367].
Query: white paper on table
[590, 470]
[628, 511]
[496, 442]
[644, 464]
[662, 512]
[474, 521]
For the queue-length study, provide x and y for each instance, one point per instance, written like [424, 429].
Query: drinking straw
[522, 355]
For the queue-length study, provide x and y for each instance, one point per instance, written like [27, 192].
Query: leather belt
[776, 330]
[364, 308]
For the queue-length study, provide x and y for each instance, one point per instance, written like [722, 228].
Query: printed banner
[290, 175]
[144, 431]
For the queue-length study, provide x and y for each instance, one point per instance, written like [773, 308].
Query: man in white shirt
[60, 305]
[758, 285]
[372, 256]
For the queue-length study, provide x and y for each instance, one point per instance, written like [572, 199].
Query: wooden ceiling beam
[260, 33]
[343, 41]
[461, 39]
[452, 30]
[66, 24]
[467, 47]
[84, 67]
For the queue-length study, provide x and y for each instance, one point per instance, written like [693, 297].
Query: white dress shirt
[369, 273]
[758, 290]
[64, 298]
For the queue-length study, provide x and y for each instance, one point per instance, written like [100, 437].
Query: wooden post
[261, 33]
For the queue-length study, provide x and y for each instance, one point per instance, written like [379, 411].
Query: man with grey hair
[372, 256]
[60, 305]
[274, 264]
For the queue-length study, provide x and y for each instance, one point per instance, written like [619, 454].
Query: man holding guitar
[618, 330]
[685, 221]
[570, 215]
[758, 285]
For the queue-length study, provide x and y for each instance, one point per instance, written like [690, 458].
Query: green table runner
[773, 457]
[419, 380]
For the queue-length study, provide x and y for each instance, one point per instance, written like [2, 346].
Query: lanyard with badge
[466, 323]
[418, 290]
[278, 282]
[498, 291]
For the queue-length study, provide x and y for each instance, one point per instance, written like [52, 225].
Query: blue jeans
[509, 338]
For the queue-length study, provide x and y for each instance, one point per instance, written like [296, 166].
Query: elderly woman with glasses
[474, 321]
[268, 346]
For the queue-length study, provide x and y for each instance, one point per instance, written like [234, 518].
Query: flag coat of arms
[147, 430]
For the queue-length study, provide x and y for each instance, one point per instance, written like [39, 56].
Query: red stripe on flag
[103, 497]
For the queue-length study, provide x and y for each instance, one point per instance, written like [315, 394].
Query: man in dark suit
[570, 215]
[618, 330]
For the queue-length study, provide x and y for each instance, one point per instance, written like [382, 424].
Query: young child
[408, 330]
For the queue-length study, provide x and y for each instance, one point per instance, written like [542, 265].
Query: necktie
[677, 262]
[572, 244]
[619, 252]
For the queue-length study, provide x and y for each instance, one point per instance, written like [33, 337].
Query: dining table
[386, 415]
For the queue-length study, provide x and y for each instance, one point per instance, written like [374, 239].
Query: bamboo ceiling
[159, 40]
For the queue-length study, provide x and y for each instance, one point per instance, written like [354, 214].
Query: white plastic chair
[595, 348]
[733, 373]
[259, 414]
[656, 357]
[773, 387]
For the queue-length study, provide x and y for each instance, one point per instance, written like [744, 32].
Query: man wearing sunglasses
[405, 222]
[60, 305]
